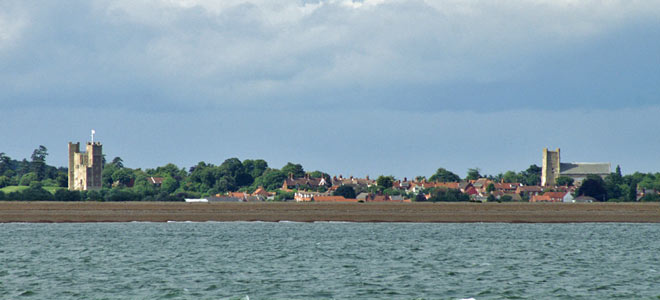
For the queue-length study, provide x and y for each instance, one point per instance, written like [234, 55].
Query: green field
[14, 188]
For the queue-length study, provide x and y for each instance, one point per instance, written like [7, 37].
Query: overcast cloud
[408, 60]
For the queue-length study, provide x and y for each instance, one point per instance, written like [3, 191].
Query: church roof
[584, 168]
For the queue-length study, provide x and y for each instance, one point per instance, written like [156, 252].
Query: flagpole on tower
[93, 132]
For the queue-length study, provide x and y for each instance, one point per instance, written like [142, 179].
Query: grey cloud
[427, 55]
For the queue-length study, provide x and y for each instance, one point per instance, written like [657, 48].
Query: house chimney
[291, 176]
[367, 177]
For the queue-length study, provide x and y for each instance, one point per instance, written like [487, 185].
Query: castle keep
[85, 167]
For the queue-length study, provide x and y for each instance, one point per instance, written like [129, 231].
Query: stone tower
[85, 168]
[550, 168]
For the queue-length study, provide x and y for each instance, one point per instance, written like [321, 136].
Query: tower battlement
[85, 168]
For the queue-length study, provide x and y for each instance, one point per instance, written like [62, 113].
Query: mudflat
[309, 212]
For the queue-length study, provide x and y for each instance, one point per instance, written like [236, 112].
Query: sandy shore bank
[308, 212]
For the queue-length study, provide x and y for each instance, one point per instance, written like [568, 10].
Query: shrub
[36, 193]
[66, 195]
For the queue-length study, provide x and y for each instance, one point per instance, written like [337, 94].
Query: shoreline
[461, 212]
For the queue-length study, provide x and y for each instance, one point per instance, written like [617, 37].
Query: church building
[553, 168]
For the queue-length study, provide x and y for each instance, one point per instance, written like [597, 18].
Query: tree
[442, 175]
[564, 181]
[319, 174]
[447, 195]
[29, 178]
[532, 176]
[295, 169]
[123, 176]
[38, 164]
[231, 175]
[473, 174]
[420, 178]
[4, 181]
[511, 177]
[66, 195]
[490, 188]
[345, 190]
[255, 167]
[593, 186]
[385, 182]
[272, 179]
[36, 193]
[118, 162]
[169, 185]
[5, 162]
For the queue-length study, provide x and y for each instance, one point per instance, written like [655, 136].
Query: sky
[373, 87]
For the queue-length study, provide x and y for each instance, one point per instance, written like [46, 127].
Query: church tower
[550, 167]
[85, 168]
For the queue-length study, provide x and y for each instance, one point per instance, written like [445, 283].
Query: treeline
[121, 183]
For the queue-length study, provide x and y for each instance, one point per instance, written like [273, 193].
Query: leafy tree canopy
[473, 174]
[385, 182]
[593, 186]
[295, 169]
[345, 190]
[564, 181]
[442, 175]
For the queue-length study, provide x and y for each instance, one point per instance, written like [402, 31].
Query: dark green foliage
[650, 198]
[2, 195]
[473, 174]
[121, 195]
[66, 195]
[491, 198]
[123, 176]
[442, 175]
[255, 167]
[38, 164]
[593, 186]
[532, 176]
[420, 198]
[29, 178]
[117, 162]
[35, 193]
[346, 191]
[490, 188]
[4, 181]
[564, 181]
[385, 182]
[271, 180]
[295, 169]
[283, 196]
[447, 195]
[506, 198]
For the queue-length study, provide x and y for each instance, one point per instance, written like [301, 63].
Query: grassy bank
[18, 188]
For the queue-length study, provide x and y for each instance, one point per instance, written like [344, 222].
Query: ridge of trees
[232, 175]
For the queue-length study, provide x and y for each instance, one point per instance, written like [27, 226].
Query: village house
[352, 181]
[303, 183]
[549, 197]
[155, 181]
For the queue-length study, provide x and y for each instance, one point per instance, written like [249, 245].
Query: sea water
[243, 260]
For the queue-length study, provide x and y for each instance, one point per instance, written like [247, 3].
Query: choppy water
[328, 260]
